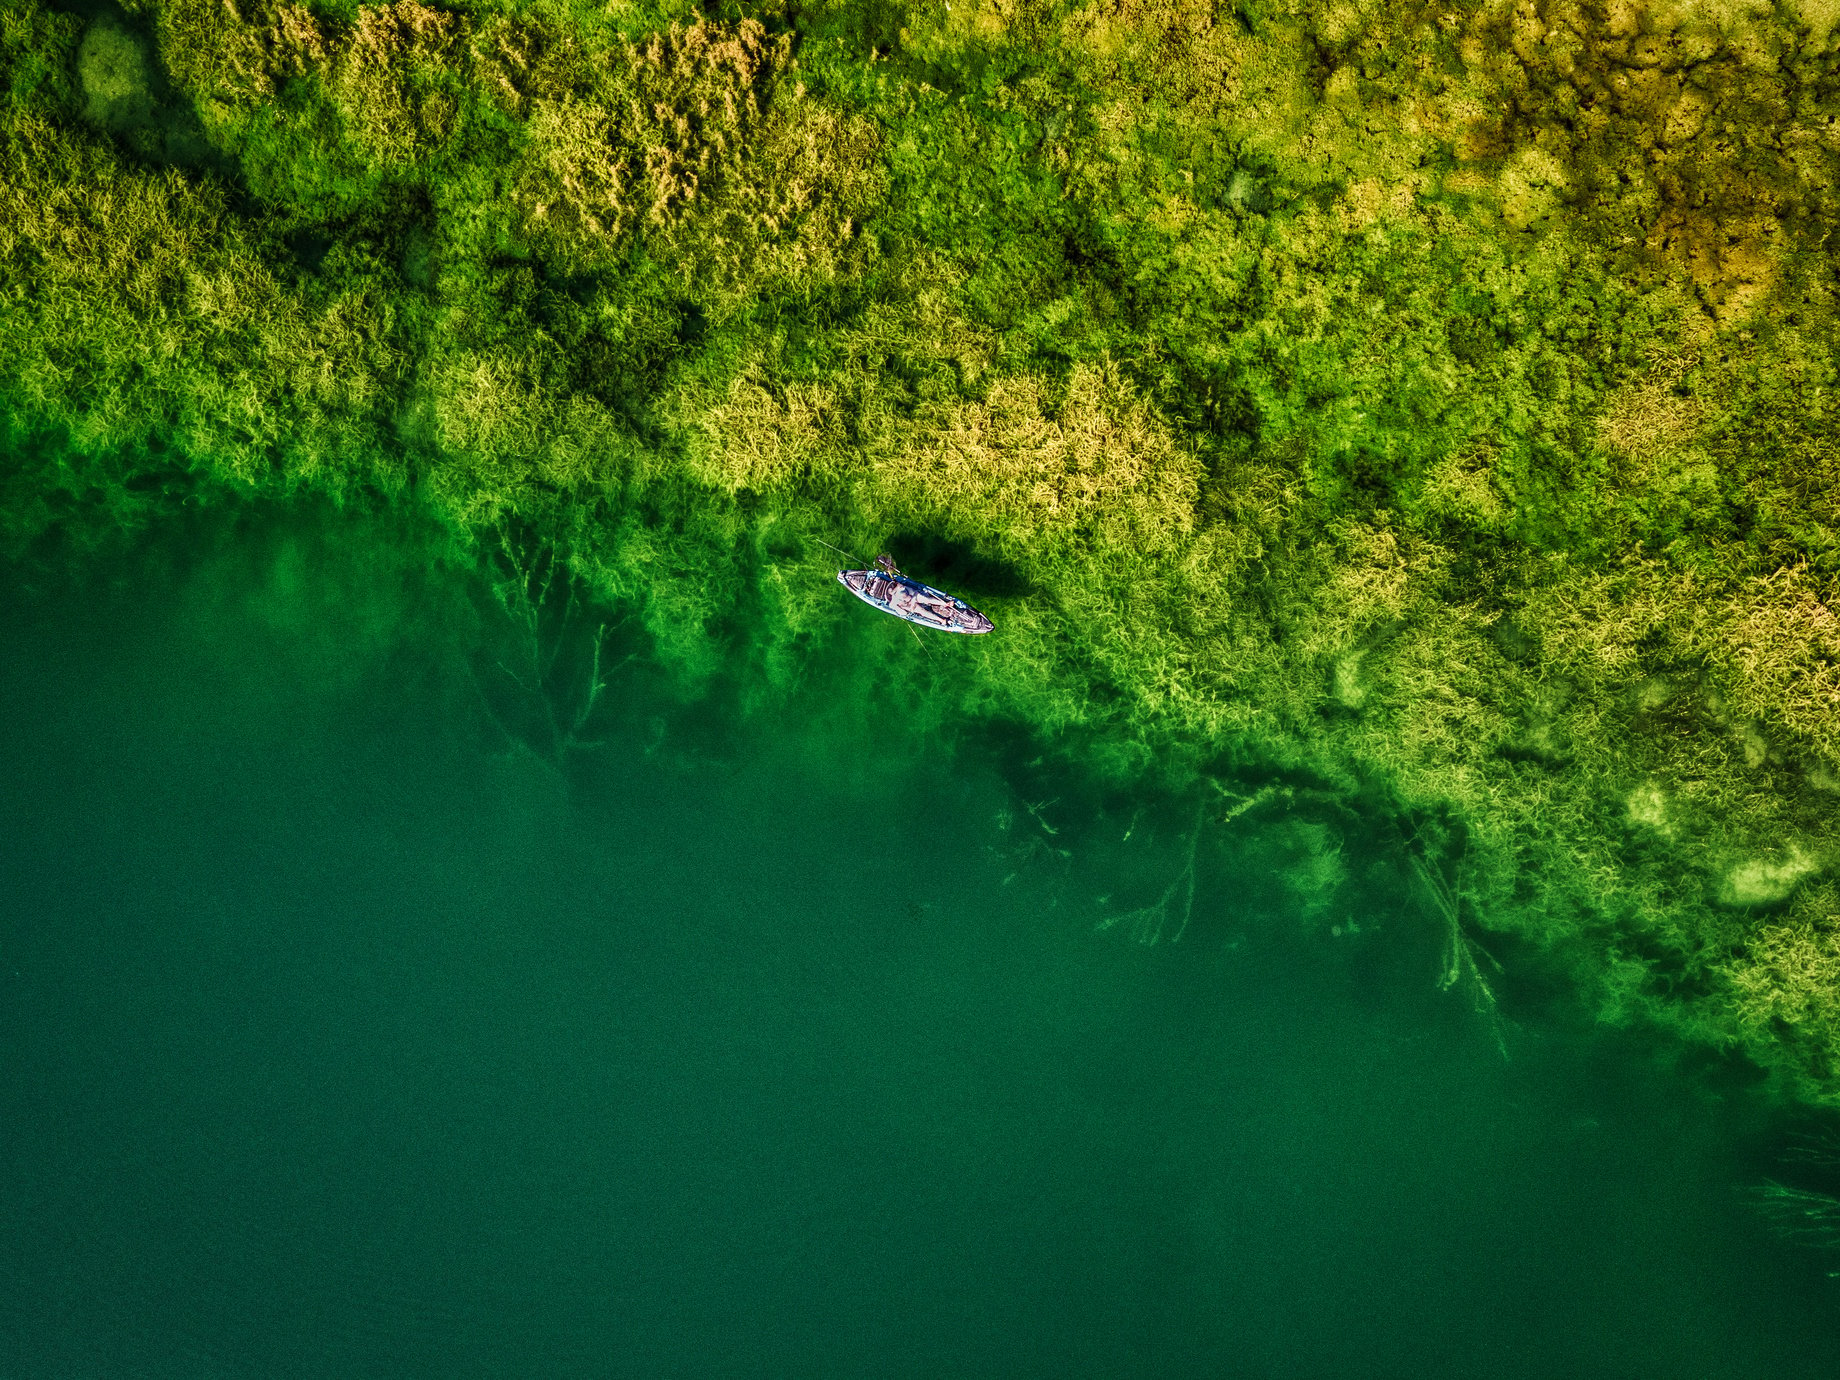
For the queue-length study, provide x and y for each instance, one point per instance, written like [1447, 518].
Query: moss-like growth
[113, 69]
[1437, 401]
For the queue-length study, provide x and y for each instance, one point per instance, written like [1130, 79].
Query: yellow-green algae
[1432, 401]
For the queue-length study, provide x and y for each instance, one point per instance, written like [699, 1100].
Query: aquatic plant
[1435, 404]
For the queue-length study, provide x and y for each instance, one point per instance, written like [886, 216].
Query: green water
[345, 1035]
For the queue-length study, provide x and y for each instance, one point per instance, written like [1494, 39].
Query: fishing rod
[907, 598]
[848, 556]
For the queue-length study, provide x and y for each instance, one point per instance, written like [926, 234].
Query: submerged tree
[1806, 1212]
[1163, 919]
[1440, 884]
[543, 676]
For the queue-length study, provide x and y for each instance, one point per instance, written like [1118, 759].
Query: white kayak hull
[914, 602]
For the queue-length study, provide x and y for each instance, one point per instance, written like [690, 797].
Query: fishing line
[918, 640]
[845, 554]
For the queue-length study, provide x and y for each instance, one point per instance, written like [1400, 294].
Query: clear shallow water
[343, 1037]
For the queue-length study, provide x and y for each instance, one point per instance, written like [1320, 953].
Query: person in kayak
[900, 596]
[890, 580]
[884, 587]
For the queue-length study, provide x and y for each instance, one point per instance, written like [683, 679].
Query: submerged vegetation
[1427, 403]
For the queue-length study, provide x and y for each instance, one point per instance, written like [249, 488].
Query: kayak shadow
[956, 568]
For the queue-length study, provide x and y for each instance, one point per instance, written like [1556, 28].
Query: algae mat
[348, 1035]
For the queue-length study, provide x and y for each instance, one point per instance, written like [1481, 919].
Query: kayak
[887, 589]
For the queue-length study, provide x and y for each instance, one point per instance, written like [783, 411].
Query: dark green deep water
[342, 1036]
